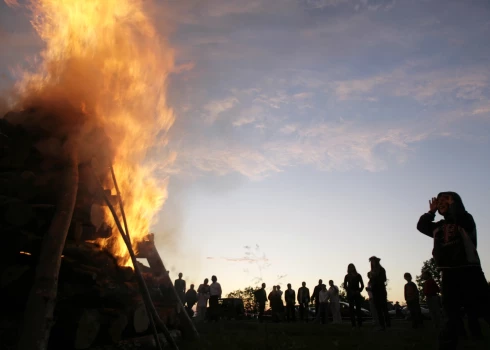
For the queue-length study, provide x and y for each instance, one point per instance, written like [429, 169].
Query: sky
[311, 134]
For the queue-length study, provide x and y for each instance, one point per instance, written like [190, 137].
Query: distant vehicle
[231, 308]
[345, 312]
[406, 313]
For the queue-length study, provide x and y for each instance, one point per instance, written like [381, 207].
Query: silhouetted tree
[247, 295]
[430, 266]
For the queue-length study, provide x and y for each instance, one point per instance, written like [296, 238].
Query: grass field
[254, 336]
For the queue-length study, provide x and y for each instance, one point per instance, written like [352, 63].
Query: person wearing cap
[463, 283]
[378, 288]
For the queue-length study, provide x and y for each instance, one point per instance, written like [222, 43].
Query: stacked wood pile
[98, 301]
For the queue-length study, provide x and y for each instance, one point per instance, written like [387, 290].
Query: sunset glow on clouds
[318, 129]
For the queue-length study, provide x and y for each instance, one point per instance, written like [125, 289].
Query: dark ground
[254, 336]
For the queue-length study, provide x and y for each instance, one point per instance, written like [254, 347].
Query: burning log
[38, 317]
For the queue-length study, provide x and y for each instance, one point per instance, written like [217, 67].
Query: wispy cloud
[216, 107]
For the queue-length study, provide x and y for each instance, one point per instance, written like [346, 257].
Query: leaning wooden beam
[38, 315]
[144, 289]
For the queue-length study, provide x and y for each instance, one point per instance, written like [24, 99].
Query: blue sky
[317, 129]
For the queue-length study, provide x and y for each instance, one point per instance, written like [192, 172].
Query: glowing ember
[105, 60]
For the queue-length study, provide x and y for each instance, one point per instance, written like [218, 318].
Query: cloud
[408, 81]
[246, 259]
[216, 107]
[183, 67]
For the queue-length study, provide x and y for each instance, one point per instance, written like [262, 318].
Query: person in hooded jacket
[463, 281]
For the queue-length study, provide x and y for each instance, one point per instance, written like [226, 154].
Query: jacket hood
[456, 198]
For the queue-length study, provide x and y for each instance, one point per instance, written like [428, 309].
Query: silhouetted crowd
[464, 288]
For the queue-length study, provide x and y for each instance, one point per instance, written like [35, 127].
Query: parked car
[231, 308]
[345, 312]
[406, 313]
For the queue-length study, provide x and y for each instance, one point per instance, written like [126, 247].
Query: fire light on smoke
[105, 59]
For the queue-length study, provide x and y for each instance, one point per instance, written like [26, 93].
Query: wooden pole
[144, 289]
[38, 315]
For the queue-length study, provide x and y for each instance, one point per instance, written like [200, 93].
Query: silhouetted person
[290, 298]
[303, 301]
[315, 297]
[378, 285]
[190, 300]
[372, 306]
[180, 287]
[398, 310]
[261, 299]
[431, 293]
[202, 300]
[214, 295]
[354, 285]
[413, 303]
[274, 303]
[333, 294]
[280, 304]
[455, 253]
[323, 303]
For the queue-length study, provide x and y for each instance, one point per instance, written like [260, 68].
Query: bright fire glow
[105, 58]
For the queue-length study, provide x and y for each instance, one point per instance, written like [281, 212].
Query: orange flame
[105, 59]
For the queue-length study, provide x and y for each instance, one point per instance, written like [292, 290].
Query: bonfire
[78, 191]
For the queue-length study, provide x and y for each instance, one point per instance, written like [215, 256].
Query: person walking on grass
[333, 294]
[290, 298]
[261, 299]
[354, 285]
[304, 301]
[413, 303]
[455, 253]
[378, 286]
[431, 293]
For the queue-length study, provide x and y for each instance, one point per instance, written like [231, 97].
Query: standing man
[333, 294]
[463, 281]
[303, 300]
[316, 298]
[214, 295]
[180, 288]
[323, 301]
[190, 300]
[431, 292]
[261, 299]
[413, 303]
[290, 297]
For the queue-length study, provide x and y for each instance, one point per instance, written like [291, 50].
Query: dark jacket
[260, 296]
[353, 284]
[455, 237]
[290, 296]
[191, 297]
[378, 279]
[303, 295]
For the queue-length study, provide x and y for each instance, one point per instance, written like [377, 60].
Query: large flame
[106, 59]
